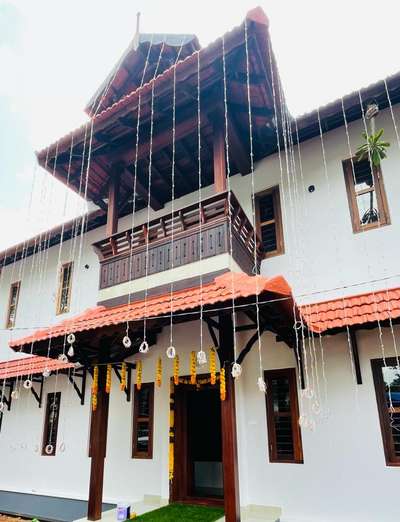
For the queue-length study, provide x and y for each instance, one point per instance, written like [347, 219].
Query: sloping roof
[30, 366]
[223, 288]
[352, 310]
[127, 73]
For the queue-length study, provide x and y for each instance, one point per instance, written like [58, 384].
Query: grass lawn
[182, 512]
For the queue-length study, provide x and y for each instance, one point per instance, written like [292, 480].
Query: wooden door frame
[179, 487]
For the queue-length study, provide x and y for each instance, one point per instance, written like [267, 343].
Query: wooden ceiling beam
[142, 191]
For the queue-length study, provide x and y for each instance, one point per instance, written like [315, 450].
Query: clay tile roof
[223, 288]
[352, 310]
[30, 366]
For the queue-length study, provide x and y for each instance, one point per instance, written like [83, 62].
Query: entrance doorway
[198, 474]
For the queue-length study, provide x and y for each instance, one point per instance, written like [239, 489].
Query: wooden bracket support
[356, 357]
[80, 391]
[212, 326]
[38, 396]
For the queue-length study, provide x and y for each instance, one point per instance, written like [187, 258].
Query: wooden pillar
[228, 421]
[98, 444]
[112, 209]
[219, 154]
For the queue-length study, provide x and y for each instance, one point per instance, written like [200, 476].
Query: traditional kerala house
[223, 329]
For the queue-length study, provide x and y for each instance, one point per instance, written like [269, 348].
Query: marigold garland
[192, 367]
[213, 366]
[176, 370]
[222, 385]
[123, 377]
[108, 378]
[95, 387]
[139, 375]
[159, 372]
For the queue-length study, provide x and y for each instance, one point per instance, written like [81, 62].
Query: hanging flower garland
[159, 372]
[171, 431]
[213, 366]
[139, 375]
[192, 367]
[108, 379]
[176, 370]
[222, 384]
[95, 387]
[122, 385]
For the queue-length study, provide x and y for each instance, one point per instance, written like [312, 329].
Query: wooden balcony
[123, 255]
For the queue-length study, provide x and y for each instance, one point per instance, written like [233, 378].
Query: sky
[55, 53]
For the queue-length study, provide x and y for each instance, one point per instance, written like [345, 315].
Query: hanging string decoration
[213, 366]
[139, 375]
[171, 430]
[192, 367]
[108, 379]
[122, 385]
[95, 387]
[176, 370]
[222, 384]
[159, 372]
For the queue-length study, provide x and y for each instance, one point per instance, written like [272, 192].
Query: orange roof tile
[352, 310]
[30, 366]
[222, 289]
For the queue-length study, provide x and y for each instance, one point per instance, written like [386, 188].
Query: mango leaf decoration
[374, 149]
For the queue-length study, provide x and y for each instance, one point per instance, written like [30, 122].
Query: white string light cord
[236, 368]
[303, 420]
[144, 347]
[201, 354]
[126, 340]
[260, 381]
[171, 351]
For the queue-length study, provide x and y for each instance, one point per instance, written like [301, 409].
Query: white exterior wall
[344, 476]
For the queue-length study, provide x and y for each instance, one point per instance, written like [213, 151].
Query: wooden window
[13, 304]
[143, 405]
[366, 195]
[64, 289]
[387, 389]
[51, 424]
[283, 416]
[269, 222]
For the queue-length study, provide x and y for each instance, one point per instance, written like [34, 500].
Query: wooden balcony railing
[123, 255]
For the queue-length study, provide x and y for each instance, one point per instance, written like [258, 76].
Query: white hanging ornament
[62, 447]
[71, 351]
[1, 406]
[49, 449]
[308, 393]
[15, 395]
[46, 372]
[144, 347]
[171, 352]
[62, 357]
[261, 385]
[126, 341]
[27, 384]
[236, 370]
[311, 425]
[201, 357]
[71, 338]
[303, 422]
[316, 408]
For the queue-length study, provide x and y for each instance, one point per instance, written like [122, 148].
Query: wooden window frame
[381, 199]
[136, 420]
[60, 288]
[384, 419]
[290, 374]
[45, 426]
[17, 285]
[280, 245]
